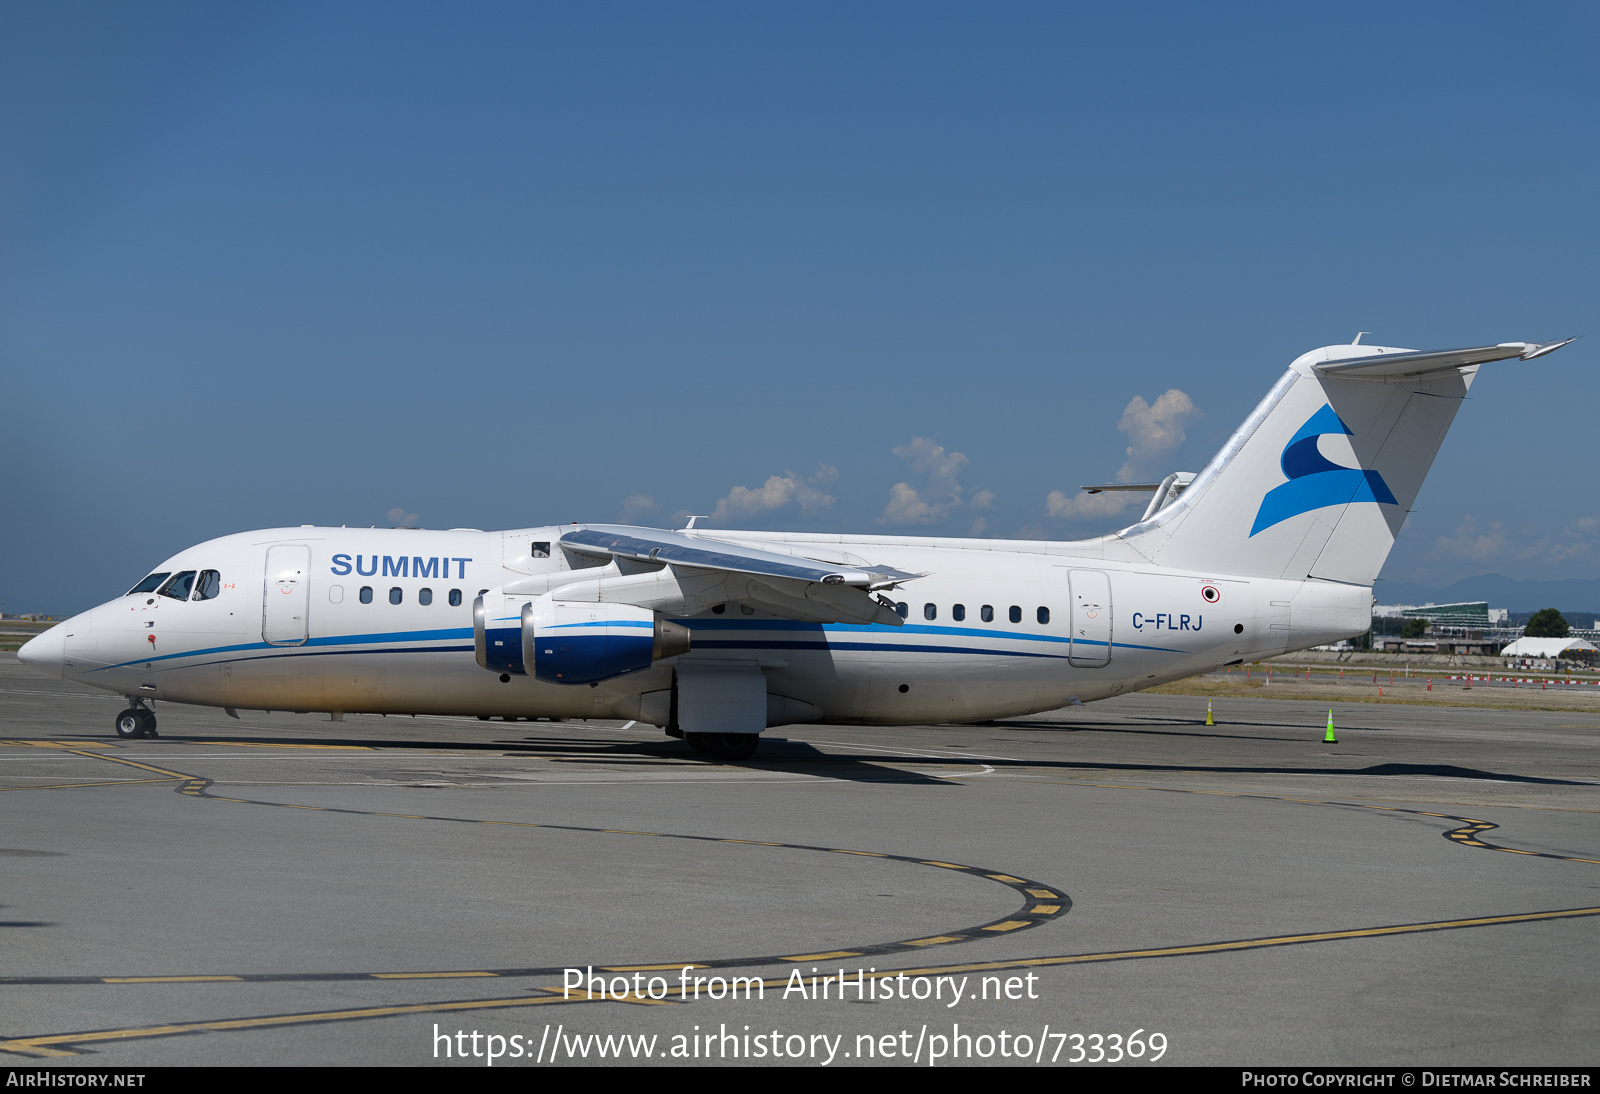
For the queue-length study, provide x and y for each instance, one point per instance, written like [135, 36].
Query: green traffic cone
[1328, 738]
[1209, 720]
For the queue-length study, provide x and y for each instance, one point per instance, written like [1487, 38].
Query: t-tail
[1319, 479]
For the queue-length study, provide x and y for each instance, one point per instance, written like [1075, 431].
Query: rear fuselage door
[286, 595]
[1091, 619]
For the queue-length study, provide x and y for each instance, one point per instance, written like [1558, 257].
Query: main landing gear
[724, 746]
[137, 721]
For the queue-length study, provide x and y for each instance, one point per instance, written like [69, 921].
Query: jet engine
[497, 632]
[565, 642]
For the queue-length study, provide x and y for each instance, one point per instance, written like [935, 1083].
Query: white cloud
[1576, 540]
[777, 492]
[1082, 506]
[1472, 543]
[907, 507]
[932, 460]
[1529, 548]
[942, 492]
[1155, 429]
[399, 518]
[636, 507]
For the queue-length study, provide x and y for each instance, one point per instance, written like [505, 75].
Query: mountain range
[1575, 598]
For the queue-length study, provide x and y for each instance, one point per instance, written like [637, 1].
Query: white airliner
[716, 635]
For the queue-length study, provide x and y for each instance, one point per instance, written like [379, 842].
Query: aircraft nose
[47, 652]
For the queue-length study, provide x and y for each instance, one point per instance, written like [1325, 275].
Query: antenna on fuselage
[1356, 341]
[692, 519]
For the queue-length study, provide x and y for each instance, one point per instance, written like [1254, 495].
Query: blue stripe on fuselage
[328, 640]
[824, 640]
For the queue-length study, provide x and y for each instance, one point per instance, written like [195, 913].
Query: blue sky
[855, 267]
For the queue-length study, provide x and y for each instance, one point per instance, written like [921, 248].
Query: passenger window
[151, 583]
[395, 595]
[455, 598]
[209, 585]
[335, 594]
[482, 591]
[1044, 615]
[366, 594]
[178, 588]
[958, 612]
[929, 611]
[903, 608]
[986, 613]
[541, 548]
[425, 597]
[1016, 614]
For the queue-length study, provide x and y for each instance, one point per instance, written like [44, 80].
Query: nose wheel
[136, 722]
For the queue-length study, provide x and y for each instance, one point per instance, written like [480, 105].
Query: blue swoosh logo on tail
[1316, 482]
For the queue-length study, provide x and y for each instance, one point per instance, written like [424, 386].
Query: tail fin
[1318, 480]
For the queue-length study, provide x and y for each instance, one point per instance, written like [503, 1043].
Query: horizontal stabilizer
[1406, 365]
[1320, 477]
[1114, 486]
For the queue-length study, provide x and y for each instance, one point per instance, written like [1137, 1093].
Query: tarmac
[1071, 888]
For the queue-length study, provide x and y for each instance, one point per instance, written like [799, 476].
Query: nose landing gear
[137, 721]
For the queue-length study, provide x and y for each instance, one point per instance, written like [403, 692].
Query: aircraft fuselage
[381, 622]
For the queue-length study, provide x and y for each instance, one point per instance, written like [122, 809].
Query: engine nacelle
[565, 642]
[497, 632]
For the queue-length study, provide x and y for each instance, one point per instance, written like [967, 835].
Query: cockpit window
[178, 588]
[209, 585]
[149, 584]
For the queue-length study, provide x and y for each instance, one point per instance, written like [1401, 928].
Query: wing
[788, 585]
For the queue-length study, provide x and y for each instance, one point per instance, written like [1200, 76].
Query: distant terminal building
[1465, 627]
[1474, 614]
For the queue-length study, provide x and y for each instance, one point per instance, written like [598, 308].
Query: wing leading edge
[787, 585]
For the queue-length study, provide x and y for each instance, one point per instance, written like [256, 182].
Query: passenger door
[286, 595]
[1091, 619]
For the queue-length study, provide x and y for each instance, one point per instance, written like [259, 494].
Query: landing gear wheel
[148, 716]
[130, 724]
[738, 746]
[724, 746]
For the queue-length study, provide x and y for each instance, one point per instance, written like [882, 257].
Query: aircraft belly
[946, 688]
[393, 683]
[835, 683]
[854, 674]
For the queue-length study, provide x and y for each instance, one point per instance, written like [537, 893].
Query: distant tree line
[1547, 623]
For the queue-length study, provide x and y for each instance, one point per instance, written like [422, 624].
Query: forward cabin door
[286, 595]
[1091, 619]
